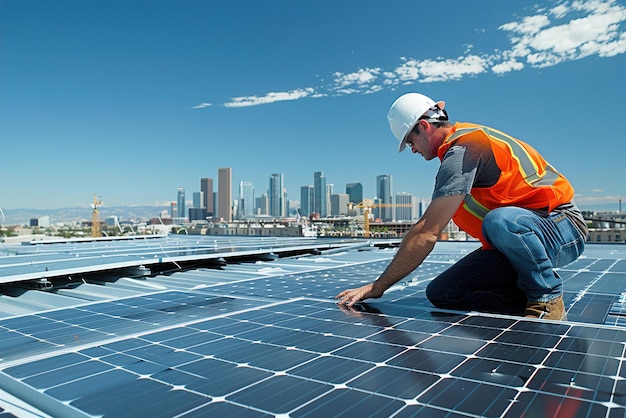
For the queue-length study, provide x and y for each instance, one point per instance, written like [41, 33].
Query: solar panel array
[266, 339]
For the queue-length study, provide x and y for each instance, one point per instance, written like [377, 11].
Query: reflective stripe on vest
[474, 207]
[527, 166]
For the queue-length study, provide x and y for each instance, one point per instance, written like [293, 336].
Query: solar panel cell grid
[276, 344]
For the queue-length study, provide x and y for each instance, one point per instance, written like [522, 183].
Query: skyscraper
[206, 186]
[180, 203]
[198, 199]
[225, 194]
[355, 192]
[338, 204]
[197, 212]
[246, 198]
[320, 200]
[384, 193]
[262, 205]
[306, 200]
[405, 207]
[276, 195]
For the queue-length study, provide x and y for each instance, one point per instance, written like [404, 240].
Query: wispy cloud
[570, 31]
[201, 106]
[272, 97]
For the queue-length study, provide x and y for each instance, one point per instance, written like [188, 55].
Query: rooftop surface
[244, 327]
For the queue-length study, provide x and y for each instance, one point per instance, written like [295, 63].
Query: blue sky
[130, 100]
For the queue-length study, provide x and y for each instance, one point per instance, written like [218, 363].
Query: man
[500, 191]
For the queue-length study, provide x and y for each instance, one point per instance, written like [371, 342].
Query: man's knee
[437, 295]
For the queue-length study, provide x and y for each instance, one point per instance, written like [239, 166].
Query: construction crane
[367, 205]
[95, 217]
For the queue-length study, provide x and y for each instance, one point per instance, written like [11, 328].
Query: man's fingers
[344, 294]
[348, 297]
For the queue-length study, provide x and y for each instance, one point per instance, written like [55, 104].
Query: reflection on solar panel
[266, 339]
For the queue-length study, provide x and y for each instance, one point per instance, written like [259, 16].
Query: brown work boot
[553, 309]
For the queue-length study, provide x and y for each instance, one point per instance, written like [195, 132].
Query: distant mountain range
[77, 214]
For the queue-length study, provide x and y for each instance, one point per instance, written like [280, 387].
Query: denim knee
[493, 223]
[435, 294]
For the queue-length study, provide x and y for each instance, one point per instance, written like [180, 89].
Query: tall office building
[197, 212]
[354, 192]
[405, 207]
[306, 200]
[262, 205]
[173, 210]
[180, 204]
[320, 199]
[338, 204]
[246, 199]
[198, 199]
[206, 186]
[225, 194]
[277, 195]
[330, 190]
[384, 193]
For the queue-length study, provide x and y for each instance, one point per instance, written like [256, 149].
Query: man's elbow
[424, 239]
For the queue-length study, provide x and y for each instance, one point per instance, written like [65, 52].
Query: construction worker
[499, 190]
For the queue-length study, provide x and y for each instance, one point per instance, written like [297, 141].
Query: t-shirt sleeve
[457, 172]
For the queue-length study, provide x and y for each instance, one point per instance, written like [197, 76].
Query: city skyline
[131, 100]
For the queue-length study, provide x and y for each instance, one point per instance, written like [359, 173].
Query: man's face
[420, 141]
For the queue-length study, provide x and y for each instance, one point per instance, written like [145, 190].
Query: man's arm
[415, 247]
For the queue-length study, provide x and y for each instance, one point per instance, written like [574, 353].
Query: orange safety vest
[526, 179]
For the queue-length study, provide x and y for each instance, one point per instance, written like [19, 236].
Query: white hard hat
[406, 111]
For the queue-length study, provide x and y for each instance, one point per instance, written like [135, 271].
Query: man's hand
[351, 296]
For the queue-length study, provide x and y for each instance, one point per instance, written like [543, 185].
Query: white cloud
[270, 98]
[572, 30]
[451, 69]
[541, 42]
[360, 77]
[507, 66]
[201, 106]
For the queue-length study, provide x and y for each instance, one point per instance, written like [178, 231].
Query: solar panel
[266, 339]
[306, 357]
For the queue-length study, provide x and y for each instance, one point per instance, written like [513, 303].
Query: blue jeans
[520, 268]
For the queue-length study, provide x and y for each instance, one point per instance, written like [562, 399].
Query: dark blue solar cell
[571, 383]
[419, 411]
[163, 355]
[224, 409]
[219, 378]
[591, 347]
[528, 339]
[45, 365]
[90, 384]
[369, 351]
[452, 344]
[472, 332]
[267, 356]
[492, 371]
[429, 327]
[476, 398]
[280, 394]
[585, 363]
[514, 353]
[139, 398]
[66, 374]
[427, 361]
[331, 369]
[548, 405]
[598, 333]
[346, 402]
[394, 382]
